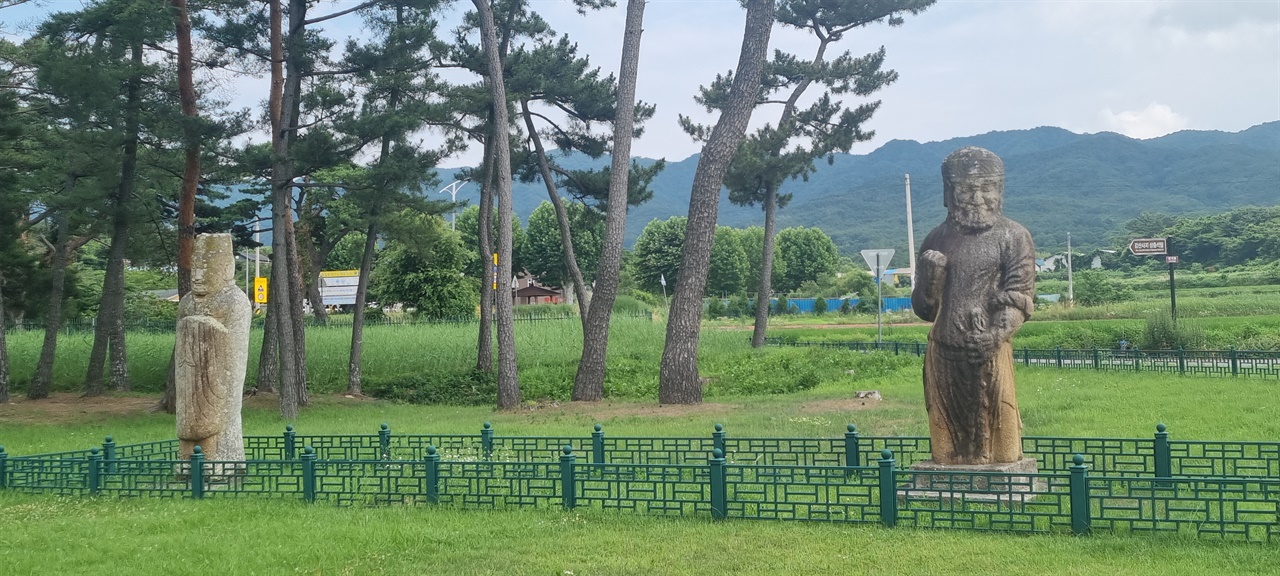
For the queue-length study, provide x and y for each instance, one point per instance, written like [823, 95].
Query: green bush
[470, 388]
[631, 305]
[846, 308]
[715, 308]
[1162, 333]
[780, 307]
[545, 310]
[819, 305]
[740, 306]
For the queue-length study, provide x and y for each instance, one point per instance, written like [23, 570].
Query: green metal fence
[1228, 490]
[1223, 363]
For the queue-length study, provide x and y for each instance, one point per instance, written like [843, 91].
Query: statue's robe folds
[973, 412]
[210, 361]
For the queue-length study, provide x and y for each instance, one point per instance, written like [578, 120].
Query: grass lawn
[97, 536]
[50, 535]
[1053, 403]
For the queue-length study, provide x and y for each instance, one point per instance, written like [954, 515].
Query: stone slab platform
[992, 482]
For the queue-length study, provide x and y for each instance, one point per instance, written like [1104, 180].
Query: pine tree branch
[340, 13]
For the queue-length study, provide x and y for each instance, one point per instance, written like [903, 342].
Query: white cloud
[1153, 121]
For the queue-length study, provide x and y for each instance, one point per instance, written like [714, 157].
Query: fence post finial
[486, 440]
[197, 472]
[888, 489]
[433, 475]
[568, 490]
[1163, 456]
[851, 457]
[290, 438]
[309, 474]
[597, 444]
[384, 441]
[1080, 517]
[719, 486]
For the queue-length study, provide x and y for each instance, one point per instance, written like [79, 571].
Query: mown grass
[1053, 403]
[50, 535]
[96, 536]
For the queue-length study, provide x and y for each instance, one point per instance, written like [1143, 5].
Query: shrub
[1161, 333]
[819, 305]
[780, 307]
[469, 388]
[740, 306]
[715, 308]
[631, 305]
[846, 308]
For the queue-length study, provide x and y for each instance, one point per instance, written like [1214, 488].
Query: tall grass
[548, 353]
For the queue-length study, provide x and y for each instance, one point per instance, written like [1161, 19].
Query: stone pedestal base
[955, 481]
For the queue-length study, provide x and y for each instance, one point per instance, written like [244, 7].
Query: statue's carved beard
[973, 217]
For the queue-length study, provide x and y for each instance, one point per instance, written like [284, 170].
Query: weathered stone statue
[976, 283]
[212, 354]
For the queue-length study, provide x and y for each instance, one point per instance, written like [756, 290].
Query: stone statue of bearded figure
[976, 283]
[212, 354]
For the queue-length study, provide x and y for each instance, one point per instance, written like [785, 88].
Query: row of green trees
[1241, 236]
[113, 135]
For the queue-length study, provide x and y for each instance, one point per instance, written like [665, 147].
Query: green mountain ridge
[1057, 182]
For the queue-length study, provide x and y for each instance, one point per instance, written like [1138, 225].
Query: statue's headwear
[968, 162]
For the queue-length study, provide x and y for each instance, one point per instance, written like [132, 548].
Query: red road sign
[1148, 246]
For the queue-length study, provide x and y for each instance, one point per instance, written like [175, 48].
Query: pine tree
[678, 381]
[787, 149]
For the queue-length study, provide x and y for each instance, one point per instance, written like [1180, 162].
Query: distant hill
[1057, 182]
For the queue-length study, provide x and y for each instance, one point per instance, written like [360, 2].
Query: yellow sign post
[260, 290]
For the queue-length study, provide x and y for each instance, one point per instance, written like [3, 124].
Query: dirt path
[67, 408]
[827, 326]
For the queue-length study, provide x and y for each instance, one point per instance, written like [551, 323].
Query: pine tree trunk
[111, 312]
[190, 175]
[588, 383]
[319, 258]
[508, 379]
[40, 383]
[94, 383]
[120, 237]
[311, 267]
[4, 347]
[562, 218]
[110, 309]
[678, 380]
[766, 267]
[286, 274]
[269, 356]
[357, 317]
[484, 229]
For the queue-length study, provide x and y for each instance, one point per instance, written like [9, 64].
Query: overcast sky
[1140, 68]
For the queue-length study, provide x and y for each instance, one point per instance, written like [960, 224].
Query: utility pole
[911, 238]
[453, 189]
[257, 251]
[1071, 287]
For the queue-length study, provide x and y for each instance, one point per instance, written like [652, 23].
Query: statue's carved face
[976, 202]
[213, 264]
